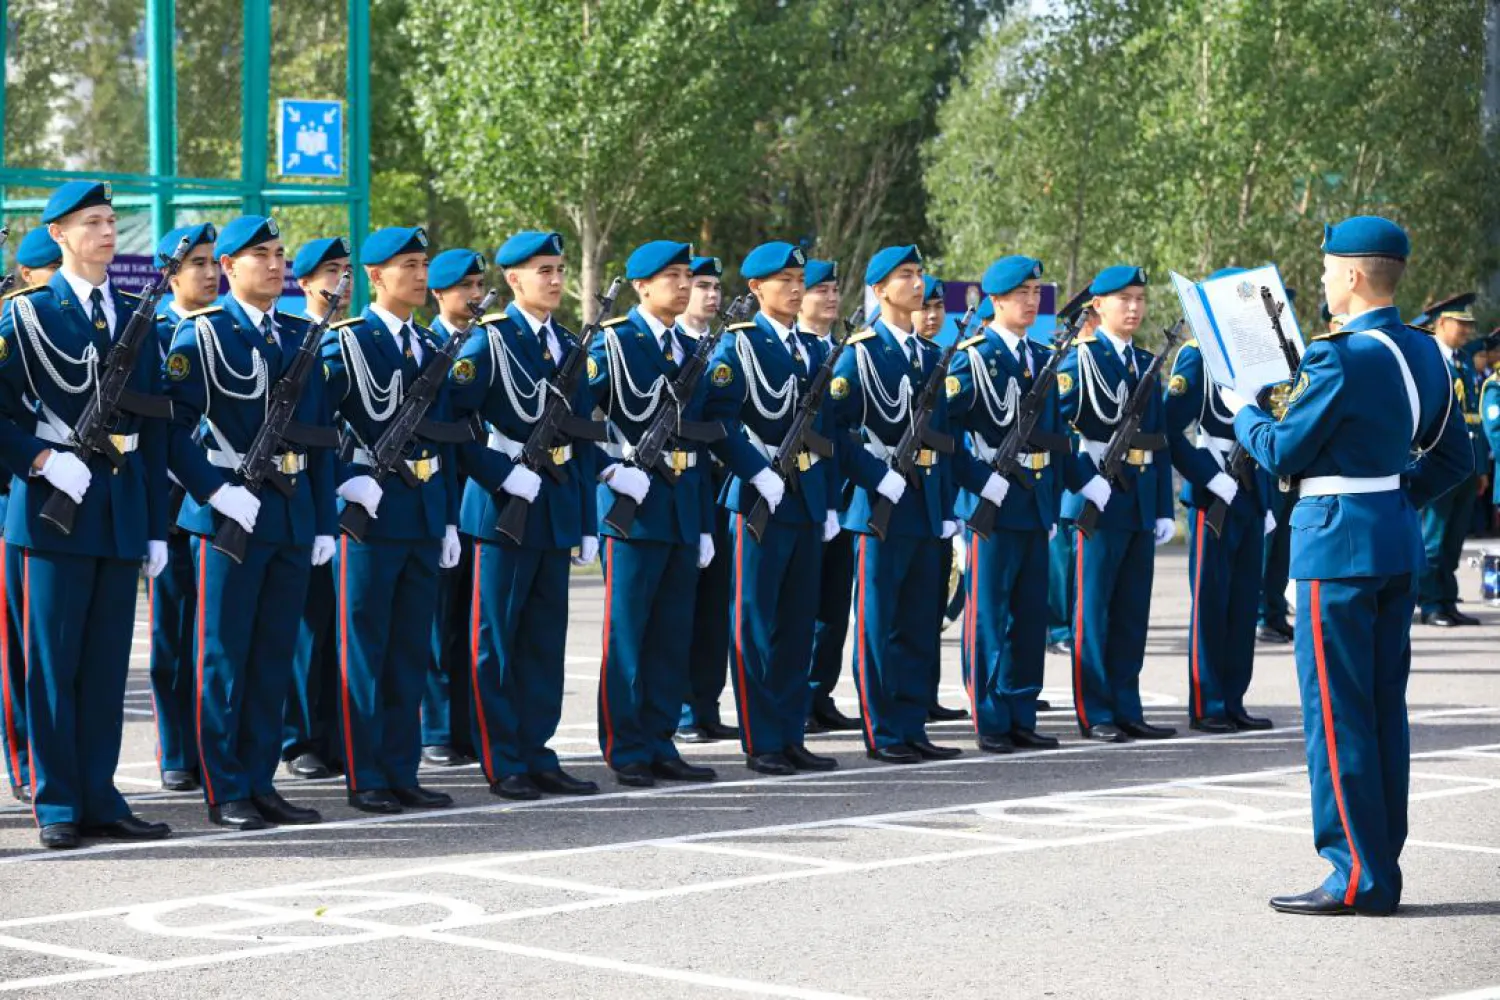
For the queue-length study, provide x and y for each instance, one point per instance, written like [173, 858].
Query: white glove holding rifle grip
[1224, 488]
[627, 480]
[238, 504]
[363, 490]
[1097, 492]
[769, 485]
[66, 472]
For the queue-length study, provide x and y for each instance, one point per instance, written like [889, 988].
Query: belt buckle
[422, 469]
[804, 461]
[926, 458]
[561, 454]
[119, 441]
[1136, 456]
[286, 463]
[678, 461]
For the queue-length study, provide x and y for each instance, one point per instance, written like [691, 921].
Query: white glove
[705, 550]
[156, 558]
[238, 504]
[892, 487]
[1165, 529]
[448, 558]
[627, 480]
[1224, 488]
[1270, 522]
[769, 485]
[1051, 533]
[1233, 401]
[523, 483]
[950, 528]
[323, 547]
[588, 550]
[64, 470]
[961, 556]
[363, 490]
[996, 489]
[1097, 492]
[831, 526]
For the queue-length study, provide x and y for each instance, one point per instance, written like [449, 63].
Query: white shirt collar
[903, 337]
[688, 327]
[657, 327]
[1118, 344]
[1012, 340]
[531, 321]
[1447, 351]
[782, 332]
[393, 324]
[83, 289]
[254, 315]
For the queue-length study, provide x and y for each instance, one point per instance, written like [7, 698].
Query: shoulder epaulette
[345, 322]
[747, 325]
[128, 295]
[964, 345]
[203, 312]
[1494, 377]
[1191, 343]
[494, 317]
[614, 322]
[1083, 338]
[861, 336]
[23, 291]
[1328, 334]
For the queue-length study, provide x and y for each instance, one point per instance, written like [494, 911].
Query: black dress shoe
[1459, 618]
[770, 763]
[237, 815]
[20, 793]
[1269, 635]
[278, 810]
[179, 781]
[1146, 731]
[1043, 705]
[59, 836]
[995, 744]
[812, 726]
[937, 713]
[445, 756]
[1244, 720]
[309, 766]
[804, 759]
[1062, 648]
[928, 750]
[635, 775]
[677, 769]
[1317, 903]
[834, 721]
[377, 800]
[1211, 724]
[692, 734]
[417, 797]
[719, 731]
[560, 782]
[1440, 618]
[516, 786]
[898, 753]
[128, 828]
[1105, 733]
[1030, 739]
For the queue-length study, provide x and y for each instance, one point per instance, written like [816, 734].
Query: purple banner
[135, 272]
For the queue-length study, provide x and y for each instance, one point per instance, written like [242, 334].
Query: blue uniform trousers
[831, 627]
[518, 635]
[446, 705]
[774, 583]
[649, 589]
[1353, 659]
[245, 639]
[1445, 525]
[940, 606]
[1224, 572]
[1276, 565]
[1061, 556]
[13, 669]
[310, 723]
[708, 656]
[173, 597]
[895, 587]
[1005, 629]
[1115, 569]
[387, 593]
[78, 619]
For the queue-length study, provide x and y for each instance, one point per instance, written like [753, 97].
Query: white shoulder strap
[1411, 383]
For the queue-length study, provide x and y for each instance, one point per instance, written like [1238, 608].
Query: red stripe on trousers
[609, 591]
[10, 717]
[474, 607]
[859, 624]
[202, 616]
[739, 631]
[344, 660]
[1331, 738]
[1193, 636]
[1078, 703]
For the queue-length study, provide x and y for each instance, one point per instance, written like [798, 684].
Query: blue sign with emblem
[310, 138]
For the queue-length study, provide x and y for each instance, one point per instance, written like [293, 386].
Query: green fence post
[255, 104]
[161, 63]
[358, 152]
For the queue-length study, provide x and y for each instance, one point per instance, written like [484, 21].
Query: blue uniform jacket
[120, 511]
[1466, 384]
[207, 407]
[406, 513]
[1193, 400]
[1347, 415]
[1489, 415]
[1147, 495]
[563, 512]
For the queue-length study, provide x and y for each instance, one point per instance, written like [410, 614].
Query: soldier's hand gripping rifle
[410, 423]
[111, 397]
[258, 465]
[668, 426]
[801, 436]
[1127, 436]
[558, 423]
[919, 434]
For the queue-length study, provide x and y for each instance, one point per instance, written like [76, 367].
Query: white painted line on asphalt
[538, 881]
[115, 962]
[931, 831]
[1488, 993]
[746, 852]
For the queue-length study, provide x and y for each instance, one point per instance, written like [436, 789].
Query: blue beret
[203, 232]
[650, 259]
[1009, 273]
[1459, 307]
[452, 266]
[527, 244]
[38, 249]
[769, 258]
[383, 244]
[1117, 279]
[317, 253]
[245, 232]
[932, 288]
[1366, 236]
[986, 310]
[819, 271]
[708, 267]
[75, 196]
[887, 260]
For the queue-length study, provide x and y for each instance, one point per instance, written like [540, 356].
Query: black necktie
[1129, 360]
[96, 312]
[914, 352]
[267, 331]
[792, 348]
[1023, 360]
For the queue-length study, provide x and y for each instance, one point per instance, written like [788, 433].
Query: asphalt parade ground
[1137, 870]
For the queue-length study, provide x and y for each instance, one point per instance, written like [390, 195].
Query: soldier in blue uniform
[1115, 567]
[224, 360]
[1489, 415]
[310, 728]
[1365, 401]
[78, 590]
[708, 657]
[37, 257]
[1445, 521]
[173, 595]
[651, 572]
[760, 371]
[1224, 569]
[387, 583]
[518, 625]
[897, 579]
[819, 317]
[1061, 549]
[1005, 617]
